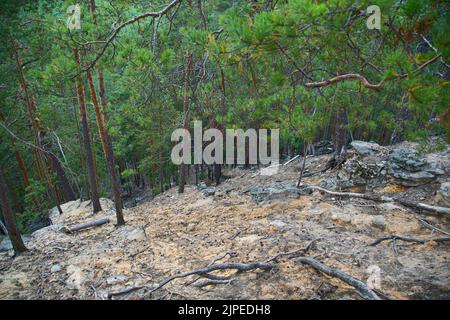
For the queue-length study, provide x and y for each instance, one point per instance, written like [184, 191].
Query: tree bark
[69, 195]
[186, 101]
[91, 170]
[105, 137]
[10, 221]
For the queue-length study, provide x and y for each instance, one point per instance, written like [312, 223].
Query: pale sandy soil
[175, 233]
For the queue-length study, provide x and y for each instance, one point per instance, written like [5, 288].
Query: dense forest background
[90, 112]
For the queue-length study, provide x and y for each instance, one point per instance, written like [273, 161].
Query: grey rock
[379, 222]
[410, 170]
[208, 192]
[131, 233]
[278, 190]
[364, 148]
[55, 268]
[442, 197]
[5, 245]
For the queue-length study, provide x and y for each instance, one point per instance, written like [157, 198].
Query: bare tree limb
[154, 14]
[408, 239]
[362, 288]
[415, 205]
[345, 77]
[202, 272]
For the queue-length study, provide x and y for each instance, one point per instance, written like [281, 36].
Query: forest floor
[175, 233]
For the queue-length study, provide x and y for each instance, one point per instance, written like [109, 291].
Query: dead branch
[293, 252]
[115, 32]
[408, 239]
[428, 225]
[210, 282]
[204, 272]
[362, 79]
[414, 205]
[362, 288]
[220, 266]
[345, 77]
[85, 225]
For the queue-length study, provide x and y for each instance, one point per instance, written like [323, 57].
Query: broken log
[85, 225]
[414, 205]
[362, 288]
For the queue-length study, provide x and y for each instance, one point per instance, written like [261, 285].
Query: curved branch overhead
[116, 31]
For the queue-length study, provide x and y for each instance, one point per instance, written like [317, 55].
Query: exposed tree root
[362, 288]
[204, 272]
[414, 205]
[408, 239]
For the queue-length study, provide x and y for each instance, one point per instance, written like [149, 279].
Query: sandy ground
[176, 233]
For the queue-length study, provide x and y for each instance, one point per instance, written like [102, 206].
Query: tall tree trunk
[104, 135]
[186, 101]
[69, 195]
[340, 135]
[10, 220]
[38, 132]
[161, 159]
[91, 170]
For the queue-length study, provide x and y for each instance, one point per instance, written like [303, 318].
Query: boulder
[132, 233]
[410, 170]
[442, 197]
[278, 190]
[364, 148]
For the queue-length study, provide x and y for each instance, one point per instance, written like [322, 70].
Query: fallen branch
[415, 205]
[220, 266]
[408, 239]
[293, 252]
[85, 225]
[210, 282]
[428, 225]
[362, 288]
[204, 272]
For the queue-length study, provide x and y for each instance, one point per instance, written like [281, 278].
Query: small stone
[116, 279]
[191, 227]
[379, 222]
[55, 268]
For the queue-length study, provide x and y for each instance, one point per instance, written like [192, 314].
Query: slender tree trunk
[69, 195]
[107, 147]
[91, 170]
[105, 137]
[10, 220]
[186, 101]
[340, 136]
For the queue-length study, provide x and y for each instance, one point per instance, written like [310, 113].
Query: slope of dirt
[176, 233]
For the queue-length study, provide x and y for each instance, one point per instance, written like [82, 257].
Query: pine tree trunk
[186, 101]
[69, 195]
[104, 135]
[91, 170]
[10, 221]
[340, 136]
[106, 145]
